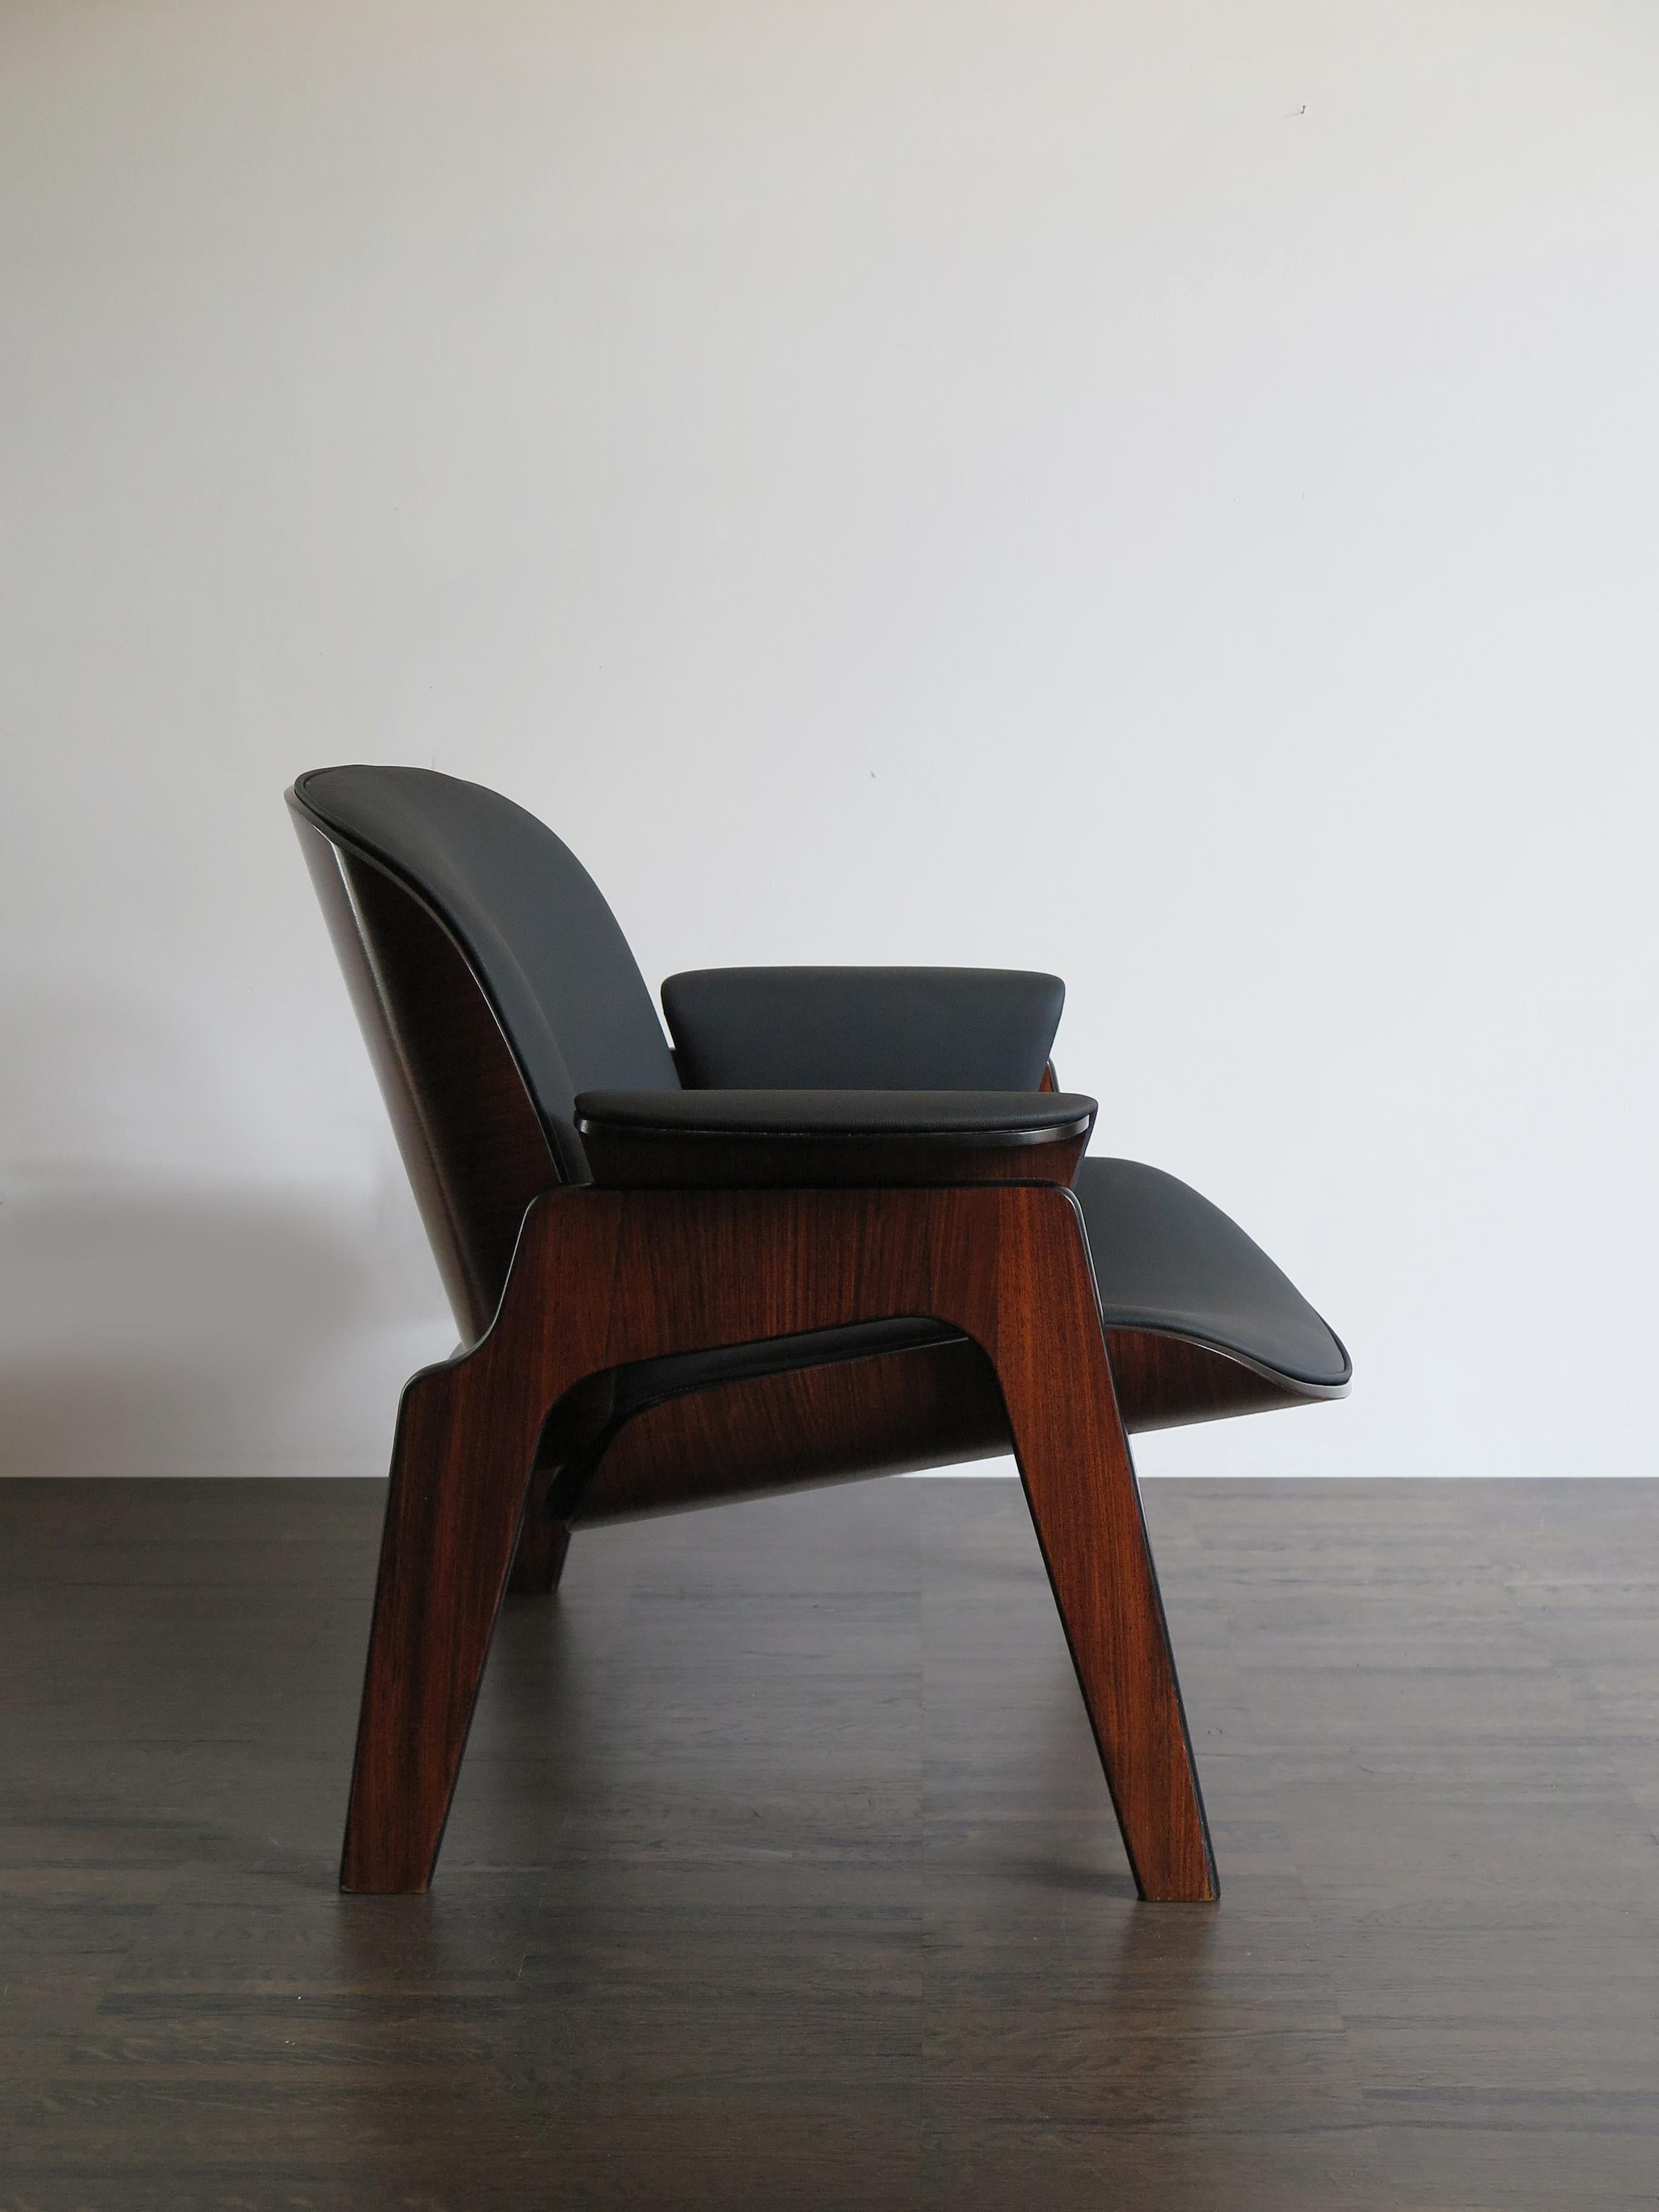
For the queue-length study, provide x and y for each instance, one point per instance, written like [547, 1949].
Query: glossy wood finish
[892, 1414]
[543, 1546]
[605, 1279]
[780, 1873]
[932, 1406]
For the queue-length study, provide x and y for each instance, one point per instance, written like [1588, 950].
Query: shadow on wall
[156, 1322]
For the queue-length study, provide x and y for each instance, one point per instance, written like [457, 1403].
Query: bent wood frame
[602, 1278]
[887, 1413]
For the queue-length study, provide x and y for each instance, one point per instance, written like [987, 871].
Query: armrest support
[806, 1139]
[862, 1029]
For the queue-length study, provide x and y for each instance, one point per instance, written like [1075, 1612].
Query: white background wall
[1165, 493]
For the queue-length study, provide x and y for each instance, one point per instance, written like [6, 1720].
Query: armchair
[844, 1228]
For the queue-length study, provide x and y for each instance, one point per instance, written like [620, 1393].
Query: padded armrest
[803, 1140]
[862, 1029]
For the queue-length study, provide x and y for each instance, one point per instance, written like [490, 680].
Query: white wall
[1166, 493]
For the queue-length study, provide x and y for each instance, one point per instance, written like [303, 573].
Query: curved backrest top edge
[528, 918]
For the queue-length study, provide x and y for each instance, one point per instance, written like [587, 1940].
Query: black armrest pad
[862, 1029]
[743, 1139]
[1016, 1116]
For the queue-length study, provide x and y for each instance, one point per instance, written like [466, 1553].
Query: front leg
[1080, 1482]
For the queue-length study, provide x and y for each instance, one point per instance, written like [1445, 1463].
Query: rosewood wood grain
[543, 1546]
[930, 1406]
[896, 1414]
[572, 1439]
[603, 1279]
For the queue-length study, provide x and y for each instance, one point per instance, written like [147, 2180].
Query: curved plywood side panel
[471, 1141]
[899, 1411]
[932, 1405]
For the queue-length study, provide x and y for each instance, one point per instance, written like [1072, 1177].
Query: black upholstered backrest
[532, 922]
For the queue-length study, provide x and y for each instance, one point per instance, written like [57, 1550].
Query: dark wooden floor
[783, 1873]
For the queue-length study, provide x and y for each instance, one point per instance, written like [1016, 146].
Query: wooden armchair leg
[1080, 1484]
[459, 1479]
[573, 1439]
[538, 1557]
[538, 1560]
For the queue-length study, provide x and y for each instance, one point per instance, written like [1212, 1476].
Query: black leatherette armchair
[844, 1227]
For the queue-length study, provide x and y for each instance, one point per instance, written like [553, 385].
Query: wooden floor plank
[783, 1873]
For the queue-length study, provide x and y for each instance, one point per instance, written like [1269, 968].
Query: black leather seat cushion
[1166, 1259]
